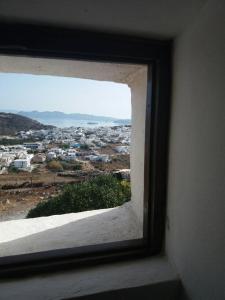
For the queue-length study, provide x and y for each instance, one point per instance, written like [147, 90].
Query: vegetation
[13, 169]
[55, 166]
[59, 166]
[65, 146]
[71, 166]
[84, 147]
[103, 191]
[15, 141]
[32, 151]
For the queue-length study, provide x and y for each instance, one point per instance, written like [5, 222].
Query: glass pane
[71, 153]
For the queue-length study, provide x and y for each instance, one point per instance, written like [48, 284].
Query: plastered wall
[196, 187]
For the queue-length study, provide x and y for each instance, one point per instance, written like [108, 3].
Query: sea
[63, 123]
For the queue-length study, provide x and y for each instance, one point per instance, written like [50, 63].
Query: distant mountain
[60, 115]
[13, 111]
[10, 124]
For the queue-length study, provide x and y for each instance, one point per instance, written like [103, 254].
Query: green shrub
[103, 191]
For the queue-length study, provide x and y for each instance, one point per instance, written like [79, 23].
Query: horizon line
[57, 111]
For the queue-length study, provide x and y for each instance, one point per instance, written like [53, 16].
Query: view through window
[65, 148]
[58, 131]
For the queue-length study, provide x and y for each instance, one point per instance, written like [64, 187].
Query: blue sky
[70, 95]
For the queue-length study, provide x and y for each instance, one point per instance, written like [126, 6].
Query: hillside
[12, 123]
[60, 115]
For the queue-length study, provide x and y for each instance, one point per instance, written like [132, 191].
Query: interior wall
[144, 18]
[196, 187]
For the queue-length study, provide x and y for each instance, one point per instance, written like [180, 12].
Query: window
[144, 66]
[60, 167]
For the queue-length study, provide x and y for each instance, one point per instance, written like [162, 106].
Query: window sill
[151, 278]
[75, 230]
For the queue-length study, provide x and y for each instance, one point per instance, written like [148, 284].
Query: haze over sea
[62, 123]
[62, 120]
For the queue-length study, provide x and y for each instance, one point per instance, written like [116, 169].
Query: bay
[63, 123]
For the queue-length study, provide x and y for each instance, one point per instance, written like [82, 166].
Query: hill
[60, 115]
[11, 123]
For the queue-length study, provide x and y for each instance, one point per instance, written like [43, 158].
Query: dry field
[19, 192]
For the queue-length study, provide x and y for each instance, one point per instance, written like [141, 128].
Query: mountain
[12, 123]
[60, 115]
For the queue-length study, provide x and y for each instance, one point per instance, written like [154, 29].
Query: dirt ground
[16, 203]
[118, 162]
[19, 192]
[22, 191]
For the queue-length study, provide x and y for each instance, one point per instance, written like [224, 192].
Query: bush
[84, 147]
[13, 169]
[32, 151]
[71, 166]
[104, 191]
[65, 146]
[77, 166]
[55, 166]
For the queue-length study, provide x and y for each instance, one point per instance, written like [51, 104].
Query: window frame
[63, 43]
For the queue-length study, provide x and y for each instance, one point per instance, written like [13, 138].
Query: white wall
[138, 86]
[196, 192]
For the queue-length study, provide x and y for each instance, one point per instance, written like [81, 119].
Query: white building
[122, 149]
[33, 146]
[22, 163]
[51, 155]
[70, 156]
[105, 158]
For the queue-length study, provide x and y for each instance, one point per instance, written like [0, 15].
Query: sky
[69, 95]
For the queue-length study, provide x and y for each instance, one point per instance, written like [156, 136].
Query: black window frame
[63, 43]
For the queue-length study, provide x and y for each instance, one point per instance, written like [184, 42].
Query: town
[35, 164]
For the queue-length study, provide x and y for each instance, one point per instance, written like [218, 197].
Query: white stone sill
[95, 280]
[69, 230]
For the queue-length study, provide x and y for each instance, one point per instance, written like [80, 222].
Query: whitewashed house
[51, 155]
[122, 149]
[70, 156]
[23, 164]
